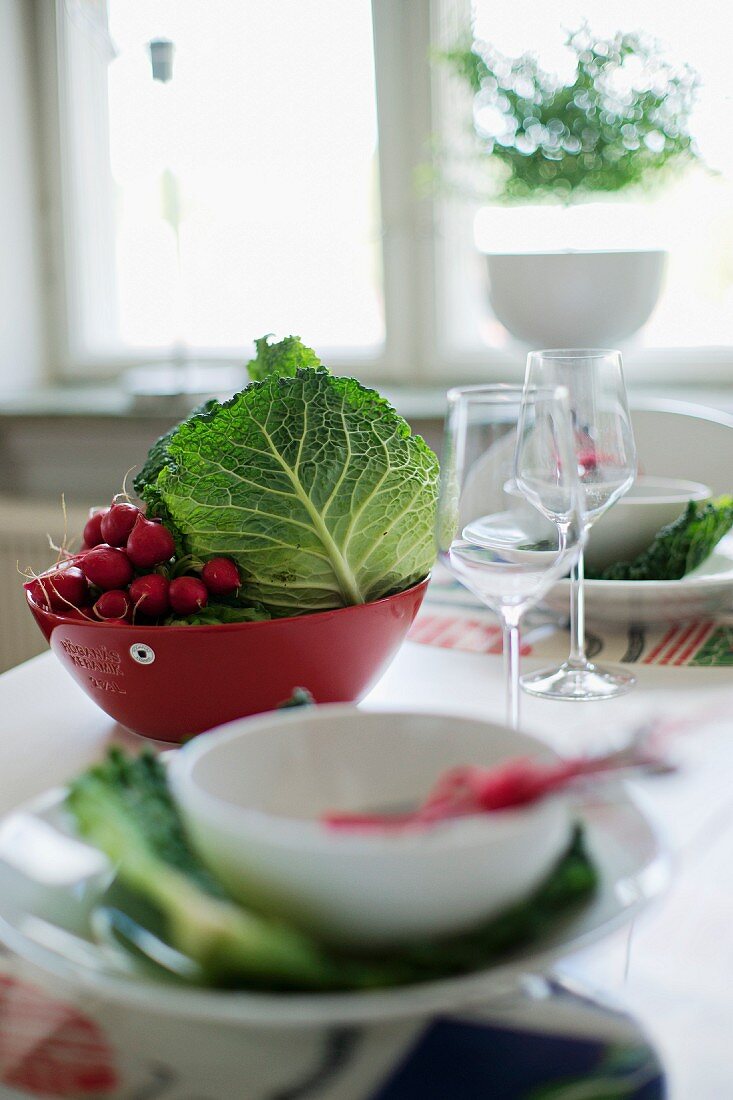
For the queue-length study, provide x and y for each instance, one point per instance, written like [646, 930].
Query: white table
[673, 970]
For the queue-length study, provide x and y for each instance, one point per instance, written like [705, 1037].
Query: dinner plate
[49, 883]
[704, 593]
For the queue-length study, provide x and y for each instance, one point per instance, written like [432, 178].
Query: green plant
[621, 121]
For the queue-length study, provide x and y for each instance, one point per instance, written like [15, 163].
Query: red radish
[114, 622]
[107, 567]
[149, 544]
[118, 522]
[187, 595]
[113, 604]
[93, 529]
[514, 783]
[221, 577]
[60, 589]
[149, 595]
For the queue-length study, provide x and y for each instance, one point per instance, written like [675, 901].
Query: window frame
[78, 226]
[660, 367]
[423, 236]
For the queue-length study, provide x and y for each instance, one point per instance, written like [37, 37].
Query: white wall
[22, 321]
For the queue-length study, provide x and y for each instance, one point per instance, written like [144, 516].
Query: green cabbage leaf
[215, 613]
[679, 547]
[313, 484]
[284, 358]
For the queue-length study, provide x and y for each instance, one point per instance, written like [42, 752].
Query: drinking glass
[499, 437]
[606, 457]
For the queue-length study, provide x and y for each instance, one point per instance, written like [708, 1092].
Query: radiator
[24, 532]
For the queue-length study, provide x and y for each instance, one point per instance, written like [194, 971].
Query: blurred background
[396, 183]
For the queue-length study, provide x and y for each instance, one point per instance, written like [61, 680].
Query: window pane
[691, 217]
[247, 185]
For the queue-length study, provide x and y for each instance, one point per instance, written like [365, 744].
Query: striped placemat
[451, 618]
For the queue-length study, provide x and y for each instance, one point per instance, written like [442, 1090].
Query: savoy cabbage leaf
[154, 463]
[679, 547]
[284, 358]
[313, 484]
[215, 613]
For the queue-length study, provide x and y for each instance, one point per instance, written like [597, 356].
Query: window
[270, 185]
[691, 328]
[247, 194]
[244, 191]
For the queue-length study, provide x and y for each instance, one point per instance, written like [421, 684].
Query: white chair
[673, 439]
[677, 439]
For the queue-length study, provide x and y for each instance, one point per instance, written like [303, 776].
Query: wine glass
[501, 436]
[606, 456]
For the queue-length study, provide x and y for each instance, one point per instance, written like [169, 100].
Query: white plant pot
[569, 298]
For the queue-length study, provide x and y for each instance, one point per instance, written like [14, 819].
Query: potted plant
[619, 125]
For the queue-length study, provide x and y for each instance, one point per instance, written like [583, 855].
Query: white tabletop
[672, 970]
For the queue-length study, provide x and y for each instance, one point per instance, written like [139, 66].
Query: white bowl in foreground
[252, 794]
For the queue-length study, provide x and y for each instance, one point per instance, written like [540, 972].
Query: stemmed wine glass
[606, 457]
[500, 436]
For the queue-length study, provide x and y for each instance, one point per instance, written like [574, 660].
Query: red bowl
[169, 682]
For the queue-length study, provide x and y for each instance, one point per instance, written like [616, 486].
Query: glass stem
[510, 623]
[577, 658]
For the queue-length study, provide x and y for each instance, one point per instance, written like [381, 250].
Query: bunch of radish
[126, 572]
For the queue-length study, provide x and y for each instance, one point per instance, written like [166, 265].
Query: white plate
[46, 927]
[702, 594]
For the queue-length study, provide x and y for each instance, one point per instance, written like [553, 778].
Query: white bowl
[590, 298]
[629, 526]
[252, 794]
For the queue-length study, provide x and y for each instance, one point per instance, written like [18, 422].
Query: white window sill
[415, 403]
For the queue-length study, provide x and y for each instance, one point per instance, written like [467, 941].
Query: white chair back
[676, 439]
[673, 439]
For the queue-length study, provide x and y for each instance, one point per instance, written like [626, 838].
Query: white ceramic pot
[575, 298]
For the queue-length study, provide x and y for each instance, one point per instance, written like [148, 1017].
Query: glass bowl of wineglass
[493, 434]
[605, 452]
